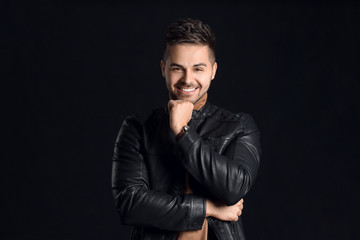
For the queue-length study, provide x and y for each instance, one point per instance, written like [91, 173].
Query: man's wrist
[209, 208]
[182, 131]
[178, 136]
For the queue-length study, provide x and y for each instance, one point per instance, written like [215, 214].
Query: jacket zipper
[214, 229]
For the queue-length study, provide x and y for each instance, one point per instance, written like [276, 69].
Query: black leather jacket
[221, 152]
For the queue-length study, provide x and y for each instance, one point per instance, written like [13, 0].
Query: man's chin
[183, 97]
[190, 99]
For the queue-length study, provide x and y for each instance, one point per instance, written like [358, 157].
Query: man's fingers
[240, 202]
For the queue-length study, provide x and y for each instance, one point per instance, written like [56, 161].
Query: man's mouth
[188, 89]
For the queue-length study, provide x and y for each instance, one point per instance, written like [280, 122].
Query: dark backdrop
[71, 71]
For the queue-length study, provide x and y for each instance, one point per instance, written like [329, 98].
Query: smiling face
[188, 70]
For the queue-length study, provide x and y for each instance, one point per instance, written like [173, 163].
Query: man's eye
[198, 69]
[176, 69]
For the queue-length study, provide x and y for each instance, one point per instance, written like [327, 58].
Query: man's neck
[201, 102]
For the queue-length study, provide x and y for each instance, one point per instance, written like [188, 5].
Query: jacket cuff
[197, 212]
[185, 143]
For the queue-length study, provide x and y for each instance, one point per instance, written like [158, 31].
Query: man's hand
[180, 114]
[224, 212]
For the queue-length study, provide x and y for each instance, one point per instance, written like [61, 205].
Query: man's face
[188, 71]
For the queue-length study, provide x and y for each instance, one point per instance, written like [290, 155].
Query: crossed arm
[229, 180]
[228, 177]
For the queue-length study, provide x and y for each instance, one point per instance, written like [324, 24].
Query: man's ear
[162, 66]
[214, 68]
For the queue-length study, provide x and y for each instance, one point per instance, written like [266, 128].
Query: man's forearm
[139, 206]
[228, 177]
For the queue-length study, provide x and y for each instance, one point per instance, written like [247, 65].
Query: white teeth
[188, 89]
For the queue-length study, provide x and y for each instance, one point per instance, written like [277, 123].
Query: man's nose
[187, 77]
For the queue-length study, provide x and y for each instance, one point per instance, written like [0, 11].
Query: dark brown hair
[191, 31]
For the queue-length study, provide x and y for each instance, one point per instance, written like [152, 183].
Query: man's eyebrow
[181, 66]
[200, 64]
[177, 65]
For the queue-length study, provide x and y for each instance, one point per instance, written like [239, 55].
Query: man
[181, 172]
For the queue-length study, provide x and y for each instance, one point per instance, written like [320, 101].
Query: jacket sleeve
[135, 202]
[229, 176]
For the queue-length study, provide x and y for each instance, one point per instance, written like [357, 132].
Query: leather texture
[221, 151]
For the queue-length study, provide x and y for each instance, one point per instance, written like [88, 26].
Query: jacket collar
[206, 110]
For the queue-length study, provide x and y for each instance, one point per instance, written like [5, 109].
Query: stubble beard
[174, 97]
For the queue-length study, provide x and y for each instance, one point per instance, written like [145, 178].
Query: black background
[71, 71]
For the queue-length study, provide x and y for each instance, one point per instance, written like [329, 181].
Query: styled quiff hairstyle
[189, 31]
